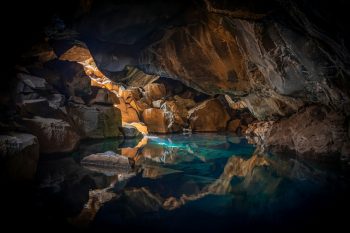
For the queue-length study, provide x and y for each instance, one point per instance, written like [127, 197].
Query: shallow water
[198, 182]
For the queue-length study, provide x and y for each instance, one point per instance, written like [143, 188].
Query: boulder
[208, 116]
[108, 163]
[54, 135]
[96, 121]
[19, 154]
[155, 120]
[154, 91]
[104, 96]
[157, 103]
[314, 132]
[176, 116]
[140, 126]
[76, 53]
[129, 114]
[131, 131]
[234, 125]
[73, 81]
[43, 52]
[41, 107]
[33, 82]
[130, 94]
[187, 103]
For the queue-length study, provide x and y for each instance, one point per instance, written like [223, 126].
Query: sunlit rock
[154, 91]
[140, 127]
[76, 53]
[96, 121]
[176, 115]
[19, 156]
[54, 135]
[155, 120]
[236, 105]
[209, 116]
[128, 113]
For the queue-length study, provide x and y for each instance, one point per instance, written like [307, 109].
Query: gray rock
[19, 154]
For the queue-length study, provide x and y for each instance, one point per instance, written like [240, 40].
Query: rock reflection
[167, 174]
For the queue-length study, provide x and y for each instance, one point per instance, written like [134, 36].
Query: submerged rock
[19, 154]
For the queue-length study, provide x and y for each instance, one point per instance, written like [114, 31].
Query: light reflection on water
[210, 182]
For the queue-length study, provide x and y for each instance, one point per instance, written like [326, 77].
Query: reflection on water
[172, 183]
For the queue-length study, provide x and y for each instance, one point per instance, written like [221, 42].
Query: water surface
[190, 183]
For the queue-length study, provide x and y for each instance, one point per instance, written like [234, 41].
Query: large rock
[96, 121]
[314, 131]
[108, 163]
[104, 96]
[209, 116]
[42, 107]
[154, 91]
[35, 83]
[54, 135]
[73, 81]
[155, 120]
[131, 131]
[19, 154]
[176, 115]
[129, 114]
[76, 53]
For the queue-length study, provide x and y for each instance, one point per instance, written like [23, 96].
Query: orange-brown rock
[154, 91]
[233, 125]
[77, 53]
[208, 116]
[155, 120]
[176, 115]
[187, 103]
[54, 135]
[129, 114]
[140, 126]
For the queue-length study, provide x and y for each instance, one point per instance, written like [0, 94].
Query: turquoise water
[198, 182]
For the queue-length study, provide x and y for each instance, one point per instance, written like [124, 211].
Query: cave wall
[269, 55]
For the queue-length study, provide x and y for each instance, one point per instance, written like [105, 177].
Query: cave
[175, 116]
